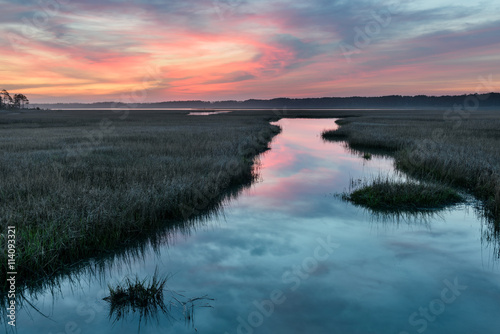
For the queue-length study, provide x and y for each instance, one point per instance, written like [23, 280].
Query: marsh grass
[333, 135]
[72, 198]
[385, 194]
[342, 121]
[367, 153]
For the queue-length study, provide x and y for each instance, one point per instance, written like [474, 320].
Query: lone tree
[20, 100]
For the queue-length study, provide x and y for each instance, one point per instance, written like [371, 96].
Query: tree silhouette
[20, 100]
[5, 96]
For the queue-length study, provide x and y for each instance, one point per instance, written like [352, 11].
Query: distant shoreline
[489, 100]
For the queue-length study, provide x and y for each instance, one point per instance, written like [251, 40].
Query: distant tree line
[392, 101]
[17, 101]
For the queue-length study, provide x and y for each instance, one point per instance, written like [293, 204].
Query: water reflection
[208, 113]
[288, 257]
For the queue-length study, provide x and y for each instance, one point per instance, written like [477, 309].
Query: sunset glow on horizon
[148, 51]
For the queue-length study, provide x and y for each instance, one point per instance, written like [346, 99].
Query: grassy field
[76, 185]
[433, 145]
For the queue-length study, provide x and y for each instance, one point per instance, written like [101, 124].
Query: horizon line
[275, 98]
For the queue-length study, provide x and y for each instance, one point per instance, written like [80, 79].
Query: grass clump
[384, 194]
[146, 298]
[138, 294]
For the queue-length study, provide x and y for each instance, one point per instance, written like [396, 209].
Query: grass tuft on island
[384, 194]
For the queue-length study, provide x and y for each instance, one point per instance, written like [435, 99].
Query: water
[125, 108]
[208, 113]
[288, 257]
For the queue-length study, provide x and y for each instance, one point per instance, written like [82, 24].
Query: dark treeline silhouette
[470, 102]
[17, 101]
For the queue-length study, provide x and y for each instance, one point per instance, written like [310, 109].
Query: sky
[150, 50]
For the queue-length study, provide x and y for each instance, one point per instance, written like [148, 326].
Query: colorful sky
[152, 50]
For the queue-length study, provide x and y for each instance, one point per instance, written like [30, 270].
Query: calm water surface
[208, 113]
[288, 257]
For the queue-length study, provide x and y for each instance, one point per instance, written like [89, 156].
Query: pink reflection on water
[300, 163]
